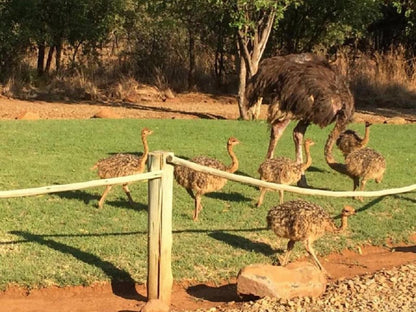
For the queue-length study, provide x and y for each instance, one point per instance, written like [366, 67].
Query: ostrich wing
[303, 86]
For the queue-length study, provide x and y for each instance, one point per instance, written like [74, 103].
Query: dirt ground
[151, 105]
[187, 296]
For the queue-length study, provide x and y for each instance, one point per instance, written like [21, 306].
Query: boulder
[300, 279]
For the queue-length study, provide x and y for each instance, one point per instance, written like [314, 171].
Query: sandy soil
[184, 106]
[186, 296]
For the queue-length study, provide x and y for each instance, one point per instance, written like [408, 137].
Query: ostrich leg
[283, 261]
[298, 134]
[311, 251]
[276, 132]
[102, 199]
[127, 191]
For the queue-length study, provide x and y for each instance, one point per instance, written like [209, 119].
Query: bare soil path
[186, 296]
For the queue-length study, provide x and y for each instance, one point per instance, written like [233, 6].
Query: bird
[349, 140]
[303, 221]
[198, 183]
[301, 87]
[365, 164]
[283, 170]
[122, 165]
[362, 164]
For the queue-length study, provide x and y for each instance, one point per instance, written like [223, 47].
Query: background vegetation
[100, 50]
[65, 239]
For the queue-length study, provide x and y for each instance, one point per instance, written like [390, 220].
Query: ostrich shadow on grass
[122, 283]
[231, 197]
[240, 242]
[316, 169]
[401, 197]
[368, 205]
[364, 207]
[88, 197]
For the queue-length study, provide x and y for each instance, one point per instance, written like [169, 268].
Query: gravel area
[384, 291]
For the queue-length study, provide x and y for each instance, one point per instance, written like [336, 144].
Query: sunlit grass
[64, 239]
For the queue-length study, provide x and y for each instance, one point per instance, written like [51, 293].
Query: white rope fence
[179, 161]
[78, 186]
[252, 181]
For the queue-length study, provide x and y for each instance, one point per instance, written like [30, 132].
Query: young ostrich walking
[299, 220]
[122, 165]
[365, 164]
[198, 183]
[283, 170]
[349, 140]
[362, 164]
[301, 87]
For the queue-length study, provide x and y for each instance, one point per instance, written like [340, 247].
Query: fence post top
[167, 153]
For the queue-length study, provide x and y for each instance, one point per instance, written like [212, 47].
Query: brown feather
[122, 165]
[349, 140]
[283, 170]
[198, 183]
[299, 220]
[305, 87]
[366, 163]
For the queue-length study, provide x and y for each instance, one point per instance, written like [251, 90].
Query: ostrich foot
[279, 260]
[359, 198]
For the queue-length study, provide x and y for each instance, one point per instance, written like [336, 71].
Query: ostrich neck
[338, 229]
[145, 151]
[341, 168]
[344, 224]
[308, 162]
[333, 136]
[234, 161]
[366, 138]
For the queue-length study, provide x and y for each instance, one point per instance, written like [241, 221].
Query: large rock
[301, 279]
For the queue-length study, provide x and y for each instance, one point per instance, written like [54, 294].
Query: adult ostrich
[301, 87]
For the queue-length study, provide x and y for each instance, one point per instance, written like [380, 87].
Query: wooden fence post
[159, 279]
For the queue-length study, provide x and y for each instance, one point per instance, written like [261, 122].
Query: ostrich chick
[198, 183]
[122, 165]
[365, 164]
[283, 170]
[349, 140]
[304, 221]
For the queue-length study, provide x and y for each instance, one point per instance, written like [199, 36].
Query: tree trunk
[191, 73]
[49, 59]
[250, 59]
[74, 55]
[41, 58]
[219, 63]
[58, 56]
[242, 90]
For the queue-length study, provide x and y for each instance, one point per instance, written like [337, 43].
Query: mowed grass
[64, 239]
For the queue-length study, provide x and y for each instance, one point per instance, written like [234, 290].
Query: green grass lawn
[63, 239]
